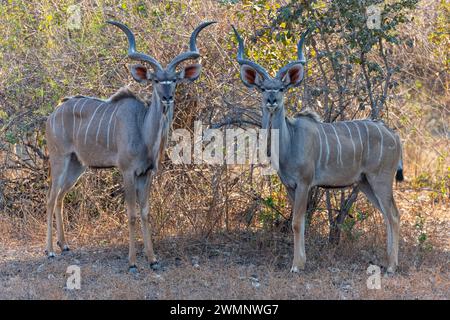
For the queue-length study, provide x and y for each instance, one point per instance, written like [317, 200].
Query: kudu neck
[156, 123]
[279, 122]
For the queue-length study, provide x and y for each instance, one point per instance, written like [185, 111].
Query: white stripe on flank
[339, 157]
[100, 124]
[81, 119]
[90, 122]
[73, 116]
[392, 136]
[109, 125]
[320, 146]
[360, 139]
[53, 122]
[353, 142]
[368, 137]
[326, 142]
[62, 118]
[381, 142]
[114, 127]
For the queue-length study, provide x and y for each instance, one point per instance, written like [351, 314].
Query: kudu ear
[293, 76]
[140, 73]
[250, 77]
[191, 72]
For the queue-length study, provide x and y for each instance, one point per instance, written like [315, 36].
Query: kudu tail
[399, 175]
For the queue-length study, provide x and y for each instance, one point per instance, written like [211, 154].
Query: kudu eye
[156, 81]
[262, 89]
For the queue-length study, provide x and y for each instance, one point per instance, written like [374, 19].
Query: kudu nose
[272, 100]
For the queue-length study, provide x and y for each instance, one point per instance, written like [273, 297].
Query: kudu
[123, 132]
[330, 155]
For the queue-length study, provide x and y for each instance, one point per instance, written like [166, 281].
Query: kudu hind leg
[73, 169]
[382, 189]
[51, 200]
[367, 190]
[143, 193]
[298, 227]
[64, 173]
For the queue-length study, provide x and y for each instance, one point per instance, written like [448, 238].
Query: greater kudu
[122, 132]
[329, 155]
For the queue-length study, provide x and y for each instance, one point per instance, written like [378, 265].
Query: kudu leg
[65, 172]
[51, 199]
[130, 201]
[367, 190]
[298, 227]
[382, 190]
[72, 170]
[143, 192]
[57, 166]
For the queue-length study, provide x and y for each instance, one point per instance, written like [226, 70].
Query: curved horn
[193, 52]
[132, 53]
[300, 56]
[241, 60]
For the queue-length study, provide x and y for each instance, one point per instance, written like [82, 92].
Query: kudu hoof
[296, 269]
[133, 269]
[64, 248]
[389, 272]
[49, 254]
[155, 266]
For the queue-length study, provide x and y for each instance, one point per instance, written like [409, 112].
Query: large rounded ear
[250, 77]
[140, 73]
[293, 76]
[191, 72]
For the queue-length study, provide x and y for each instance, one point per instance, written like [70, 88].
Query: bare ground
[236, 265]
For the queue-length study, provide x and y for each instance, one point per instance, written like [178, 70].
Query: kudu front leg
[130, 201]
[143, 192]
[298, 227]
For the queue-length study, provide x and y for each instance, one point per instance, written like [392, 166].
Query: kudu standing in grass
[122, 132]
[330, 155]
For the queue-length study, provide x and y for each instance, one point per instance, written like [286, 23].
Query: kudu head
[272, 88]
[164, 80]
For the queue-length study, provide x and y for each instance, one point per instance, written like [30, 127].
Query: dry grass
[227, 263]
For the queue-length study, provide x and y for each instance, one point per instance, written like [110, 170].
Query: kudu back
[330, 155]
[123, 132]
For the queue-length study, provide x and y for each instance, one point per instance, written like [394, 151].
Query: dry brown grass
[227, 262]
